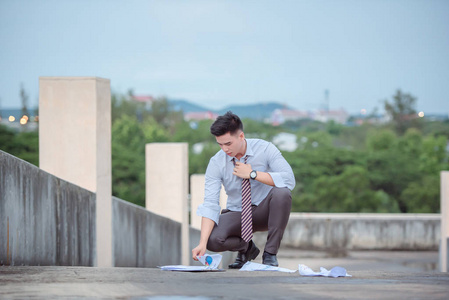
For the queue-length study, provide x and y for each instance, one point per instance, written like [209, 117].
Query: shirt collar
[249, 151]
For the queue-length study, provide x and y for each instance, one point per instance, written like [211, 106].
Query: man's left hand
[242, 170]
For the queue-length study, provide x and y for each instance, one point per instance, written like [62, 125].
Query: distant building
[147, 99]
[143, 98]
[280, 116]
[370, 119]
[338, 116]
[199, 116]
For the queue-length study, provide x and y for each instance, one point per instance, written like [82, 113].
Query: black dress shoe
[269, 259]
[244, 257]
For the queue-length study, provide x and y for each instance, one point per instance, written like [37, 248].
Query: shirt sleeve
[280, 170]
[210, 208]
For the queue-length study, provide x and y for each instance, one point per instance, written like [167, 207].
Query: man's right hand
[206, 228]
[199, 250]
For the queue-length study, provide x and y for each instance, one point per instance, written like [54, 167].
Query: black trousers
[271, 215]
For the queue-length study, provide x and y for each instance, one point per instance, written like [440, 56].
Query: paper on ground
[210, 263]
[334, 272]
[251, 266]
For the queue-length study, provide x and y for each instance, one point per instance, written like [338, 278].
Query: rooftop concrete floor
[386, 275]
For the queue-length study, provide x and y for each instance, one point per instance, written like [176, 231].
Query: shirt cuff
[209, 213]
[277, 179]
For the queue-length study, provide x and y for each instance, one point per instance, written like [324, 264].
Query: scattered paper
[182, 268]
[251, 266]
[210, 264]
[211, 261]
[334, 272]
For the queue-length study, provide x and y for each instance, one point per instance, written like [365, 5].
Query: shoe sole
[254, 254]
[251, 257]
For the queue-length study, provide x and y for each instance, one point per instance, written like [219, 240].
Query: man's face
[232, 145]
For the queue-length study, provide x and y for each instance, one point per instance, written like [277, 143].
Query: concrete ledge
[142, 238]
[347, 231]
[44, 220]
[364, 216]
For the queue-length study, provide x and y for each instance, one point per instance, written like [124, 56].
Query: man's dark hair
[229, 122]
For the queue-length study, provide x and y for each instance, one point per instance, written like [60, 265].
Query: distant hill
[258, 111]
[187, 106]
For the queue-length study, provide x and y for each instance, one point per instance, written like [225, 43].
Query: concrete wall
[142, 238]
[339, 232]
[44, 220]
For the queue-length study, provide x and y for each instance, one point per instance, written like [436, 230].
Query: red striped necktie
[246, 218]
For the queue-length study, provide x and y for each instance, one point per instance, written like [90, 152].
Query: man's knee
[215, 243]
[282, 198]
[282, 194]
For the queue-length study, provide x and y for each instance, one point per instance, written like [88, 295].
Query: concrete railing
[359, 231]
[142, 238]
[45, 220]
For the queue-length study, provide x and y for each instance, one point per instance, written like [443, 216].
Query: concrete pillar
[167, 172]
[75, 144]
[197, 197]
[444, 260]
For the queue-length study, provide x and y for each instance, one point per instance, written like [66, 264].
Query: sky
[220, 53]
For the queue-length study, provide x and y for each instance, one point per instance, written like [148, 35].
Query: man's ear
[242, 135]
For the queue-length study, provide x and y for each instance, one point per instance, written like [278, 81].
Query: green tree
[422, 195]
[402, 111]
[436, 128]
[198, 161]
[434, 157]
[193, 132]
[154, 132]
[309, 164]
[28, 146]
[394, 163]
[128, 160]
[381, 140]
[24, 145]
[347, 192]
[125, 105]
[354, 137]
[257, 129]
[165, 115]
[7, 142]
[410, 143]
[334, 128]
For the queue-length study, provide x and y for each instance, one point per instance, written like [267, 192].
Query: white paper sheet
[251, 266]
[334, 272]
[210, 263]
